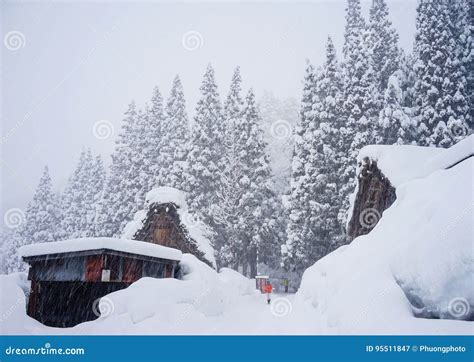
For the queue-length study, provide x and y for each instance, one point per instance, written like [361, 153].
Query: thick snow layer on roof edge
[126, 246]
[404, 163]
[165, 194]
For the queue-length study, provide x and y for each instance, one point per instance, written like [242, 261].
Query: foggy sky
[83, 62]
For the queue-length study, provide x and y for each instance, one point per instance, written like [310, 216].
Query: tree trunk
[253, 262]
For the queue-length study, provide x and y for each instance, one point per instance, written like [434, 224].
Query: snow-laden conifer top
[126, 246]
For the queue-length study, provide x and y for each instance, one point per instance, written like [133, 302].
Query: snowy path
[255, 316]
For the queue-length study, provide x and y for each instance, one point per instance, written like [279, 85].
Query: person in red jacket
[268, 290]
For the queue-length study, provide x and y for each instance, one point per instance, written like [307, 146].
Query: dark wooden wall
[66, 304]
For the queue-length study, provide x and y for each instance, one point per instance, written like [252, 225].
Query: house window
[152, 269]
[112, 263]
[94, 268]
[132, 271]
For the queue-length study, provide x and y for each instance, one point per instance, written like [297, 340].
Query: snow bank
[126, 246]
[418, 260]
[14, 289]
[196, 227]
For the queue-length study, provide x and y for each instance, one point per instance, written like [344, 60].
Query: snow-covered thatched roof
[194, 227]
[404, 163]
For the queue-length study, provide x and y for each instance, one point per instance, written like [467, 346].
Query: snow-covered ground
[418, 260]
[204, 302]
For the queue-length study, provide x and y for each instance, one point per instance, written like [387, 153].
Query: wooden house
[383, 168]
[69, 277]
[166, 222]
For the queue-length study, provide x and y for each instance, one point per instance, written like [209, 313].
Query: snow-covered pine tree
[329, 90]
[175, 134]
[314, 229]
[440, 98]
[301, 150]
[151, 144]
[425, 68]
[406, 78]
[97, 185]
[73, 199]
[360, 106]
[205, 151]
[226, 212]
[42, 213]
[461, 67]
[145, 155]
[81, 196]
[327, 152]
[383, 43]
[119, 202]
[355, 23]
[395, 124]
[278, 114]
[295, 251]
[11, 241]
[258, 203]
[463, 20]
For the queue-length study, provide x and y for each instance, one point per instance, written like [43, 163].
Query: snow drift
[417, 261]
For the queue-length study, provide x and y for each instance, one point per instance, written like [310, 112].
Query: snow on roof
[404, 163]
[196, 228]
[165, 194]
[126, 246]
